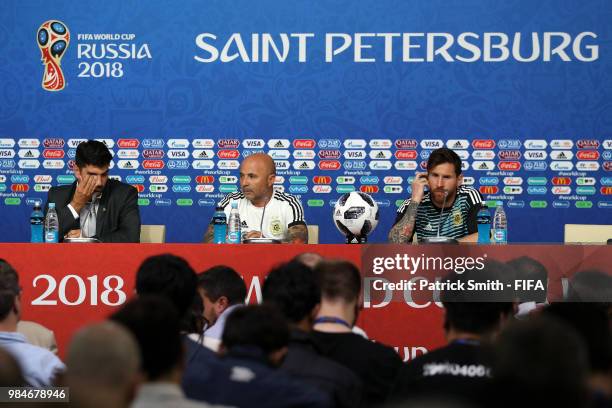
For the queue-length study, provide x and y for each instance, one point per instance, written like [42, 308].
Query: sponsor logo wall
[337, 113]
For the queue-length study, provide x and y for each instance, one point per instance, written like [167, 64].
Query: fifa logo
[53, 38]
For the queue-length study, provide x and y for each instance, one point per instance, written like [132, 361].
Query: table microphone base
[439, 240]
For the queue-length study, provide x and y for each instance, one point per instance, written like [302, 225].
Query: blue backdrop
[535, 134]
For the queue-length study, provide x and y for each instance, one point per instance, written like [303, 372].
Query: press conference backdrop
[345, 95]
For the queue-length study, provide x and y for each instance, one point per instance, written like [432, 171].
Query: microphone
[442, 212]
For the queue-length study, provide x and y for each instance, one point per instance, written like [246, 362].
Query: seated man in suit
[94, 206]
[264, 212]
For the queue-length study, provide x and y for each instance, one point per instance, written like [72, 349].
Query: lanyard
[333, 320]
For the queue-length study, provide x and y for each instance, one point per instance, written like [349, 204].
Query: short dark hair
[528, 268]
[9, 288]
[154, 322]
[92, 152]
[169, 276]
[444, 155]
[591, 286]
[339, 279]
[293, 288]
[479, 311]
[262, 326]
[220, 281]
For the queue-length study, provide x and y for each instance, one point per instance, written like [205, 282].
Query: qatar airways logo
[405, 47]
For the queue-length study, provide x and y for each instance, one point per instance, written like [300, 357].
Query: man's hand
[297, 234]
[83, 192]
[253, 234]
[418, 187]
[75, 233]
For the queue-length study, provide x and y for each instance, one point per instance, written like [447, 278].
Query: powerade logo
[178, 164]
[537, 190]
[163, 202]
[488, 181]
[561, 204]
[535, 165]
[298, 189]
[509, 144]
[516, 204]
[369, 180]
[329, 143]
[355, 165]
[135, 179]
[153, 144]
[16, 178]
[205, 202]
[181, 188]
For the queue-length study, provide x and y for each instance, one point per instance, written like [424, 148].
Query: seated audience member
[375, 364]
[10, 372]
[154, 322]
[38, 335]
[539, 362]
[254, 344]
[103, 367]
[527, 268]
[171, 277]
[591, 322]
[39, 366]
[591, 286]
[461, 370]
[222, 291]
[294, 290]
[310, 259]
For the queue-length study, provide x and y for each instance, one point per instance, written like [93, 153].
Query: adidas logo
[29, 154]
[457, 145]
[128, 165]
[483, 166]
[562, 155]
[203, 155]
[304, 165]
[338, 212]
[429, 227]
[380, 155]
[244, 224]
[278, 144]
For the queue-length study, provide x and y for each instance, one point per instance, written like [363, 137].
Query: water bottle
[484, 225]
[500, 225]
[219, 226]
[37, 219]
[234, 229]
[51, 225]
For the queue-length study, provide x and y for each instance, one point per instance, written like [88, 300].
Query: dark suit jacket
[118, 218]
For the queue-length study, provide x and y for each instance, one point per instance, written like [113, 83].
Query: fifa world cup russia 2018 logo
[53, 38]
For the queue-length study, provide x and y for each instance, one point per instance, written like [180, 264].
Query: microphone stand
[438, 239]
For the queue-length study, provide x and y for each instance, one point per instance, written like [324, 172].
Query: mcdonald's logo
[205, 179]
[561, 181]
[488, 189]
[369, 189]
[606, 190]
[322, 179]
[20, 188]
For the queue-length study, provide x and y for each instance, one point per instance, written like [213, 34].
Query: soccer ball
[356, 214]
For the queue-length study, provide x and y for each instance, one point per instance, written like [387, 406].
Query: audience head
[103, 360]
[10, 306]
[257, 326]
[169, 276]
[309, 259]
[293, 288]
[478, 312]
[154, 322]
[591, 286]
[220, 287]
[340, 281]
[529, 269]
[10, 371]
[541, 362]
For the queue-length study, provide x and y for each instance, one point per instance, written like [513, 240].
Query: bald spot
[262, 162]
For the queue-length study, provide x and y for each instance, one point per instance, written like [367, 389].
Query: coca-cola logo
[53, 143]
[509, 166]
[304, 144]
[403, 144]
[228, 154]
[153, 164]
[483, 144]
[128, 143]
[329, 165]
[406, 154]
[53, 154]
[587, 155]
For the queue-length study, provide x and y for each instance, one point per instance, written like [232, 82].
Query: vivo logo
[177, 144]
[380, 165]
[537, 190]
[203, 143]
[561, 144]
[405, 165]
[135, 179]
[536, 144]
[181, 188]
[488, 181]
[509, 144]
[355, 144]
[561, 155]
[253, 143]
[369, 180]
[329, 143]
[299, 189]
[19, 179]
[197, 164]
[536, 165]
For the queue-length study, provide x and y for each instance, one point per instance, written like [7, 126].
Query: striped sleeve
[228, 198]
[295, 205]
[473, 195]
